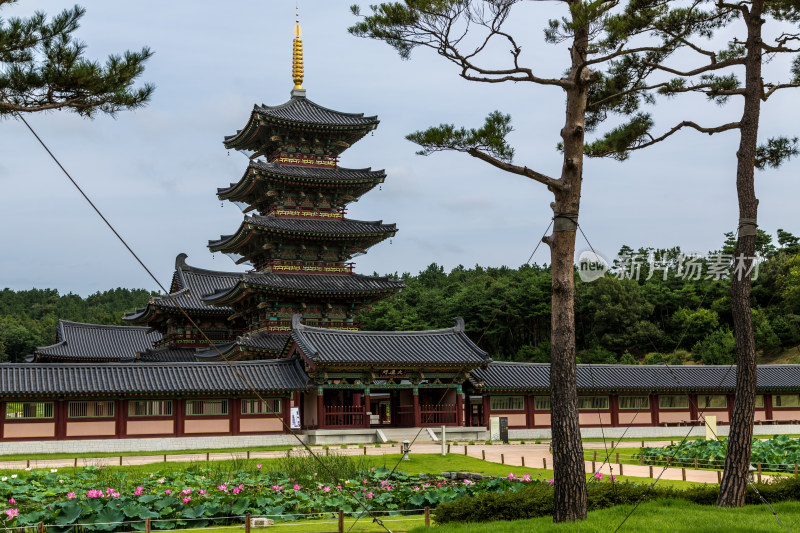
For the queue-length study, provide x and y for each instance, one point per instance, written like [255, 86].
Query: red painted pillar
[60, 415]
[235, 414]
[767, 407]
[530, 407]
[2, 419]
[613, 403]
[286, 413]
[693, 406]
[120, 417]
[654, 421]
[415, 402]
[320, 408]
[486, 405]
[459, 407]
[367, 408]
[180, 416]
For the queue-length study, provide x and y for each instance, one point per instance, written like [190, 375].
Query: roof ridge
[91, 325]
[305, 100]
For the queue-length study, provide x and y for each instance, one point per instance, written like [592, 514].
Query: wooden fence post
[365, 450]
[427, 517]
[617, 457]
[247, 523]
[696, 467]
[620, 469]
[76, 462]
[41, 527]
[120, 460]
[594, 457]
[683, 473]
[165, 458]
[641, 460]
[523, 460]
[651, 471]
[544, 463]
[719, 476]
[465, 449]
[208, 456]
[147, 526]
[594, 469]
[483, 454]
[448, 447]
[502, 459]
[341, 521]
[759, 471]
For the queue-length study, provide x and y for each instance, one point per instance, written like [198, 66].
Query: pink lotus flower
[187, 499]
[12, 513]
[468, 482]
[11, 501]
[551, 481]
[71, 496]
[237, 490]
[222, 488]
[94, 494]
[511, 476]
[277, 488]
[184, 492]
[613, 479]
[599, 475]
[526, 477]
[139, 491]
[258, 466]
[297, 487]
[369, 495]
[167, 491]
[326, 489]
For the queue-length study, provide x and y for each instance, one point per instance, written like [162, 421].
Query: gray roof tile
[150, 378]
[95, 342]
[536, 377]
[449, 347]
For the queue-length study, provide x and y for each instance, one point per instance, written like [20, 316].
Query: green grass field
[93, 455]
[657, 516]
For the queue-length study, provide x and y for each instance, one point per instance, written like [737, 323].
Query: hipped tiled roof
[447, 347]
[270, 342]
[536, 377]
[95, 342]
[190, 284]
[150, 378]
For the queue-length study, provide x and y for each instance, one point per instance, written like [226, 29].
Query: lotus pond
[100, 499]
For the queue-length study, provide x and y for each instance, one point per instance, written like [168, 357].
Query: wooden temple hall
[285, 324]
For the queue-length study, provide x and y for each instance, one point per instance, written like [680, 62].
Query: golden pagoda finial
[297, 55]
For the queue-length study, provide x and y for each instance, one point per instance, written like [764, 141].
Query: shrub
[628, 359]
[718, 348]
[537, 499]
[654, 358]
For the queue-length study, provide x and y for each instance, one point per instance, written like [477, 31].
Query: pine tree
[42, 68]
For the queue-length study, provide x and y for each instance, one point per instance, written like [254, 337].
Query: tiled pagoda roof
[308, 228]
[443, 347]
[95, 342]
[299, 113]
[189, 285]
[323, 284]
[260, 342]
[300, 175]
[150, 379]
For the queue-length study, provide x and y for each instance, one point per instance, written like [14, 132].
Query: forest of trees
[507, 311]
[28, 318]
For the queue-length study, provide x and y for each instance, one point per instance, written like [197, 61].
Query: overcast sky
[154, 172]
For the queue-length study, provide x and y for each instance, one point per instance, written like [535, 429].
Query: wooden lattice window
[89, 409]
[712, 401]
[267, 406]
[592, 402]
[150, 408]
[673, 401]
[507, 403]
[785, 400]
[541, 403]
[634, 402]
[760, 401]
[29, 410]
[206, 407]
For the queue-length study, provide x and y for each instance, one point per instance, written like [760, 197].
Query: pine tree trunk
[568, 465]
[737, 461]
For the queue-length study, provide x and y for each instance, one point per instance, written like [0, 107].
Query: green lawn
[661, 515]
[396, 524]
[93, 455]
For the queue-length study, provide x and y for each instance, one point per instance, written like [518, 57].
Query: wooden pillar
[767, 407]
[2, 419]
[730, 399]
[486, 405]
[530, 407]
[121, 418]
[613, 403]
[415, 401]
[459, 407]
[654, 410]
[286, 412]
[235, 414]
[60, 419]
[320, 408]
[693, 406]
[367, 408]
[179, 405]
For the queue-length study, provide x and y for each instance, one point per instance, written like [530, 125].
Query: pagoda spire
[297, 58]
